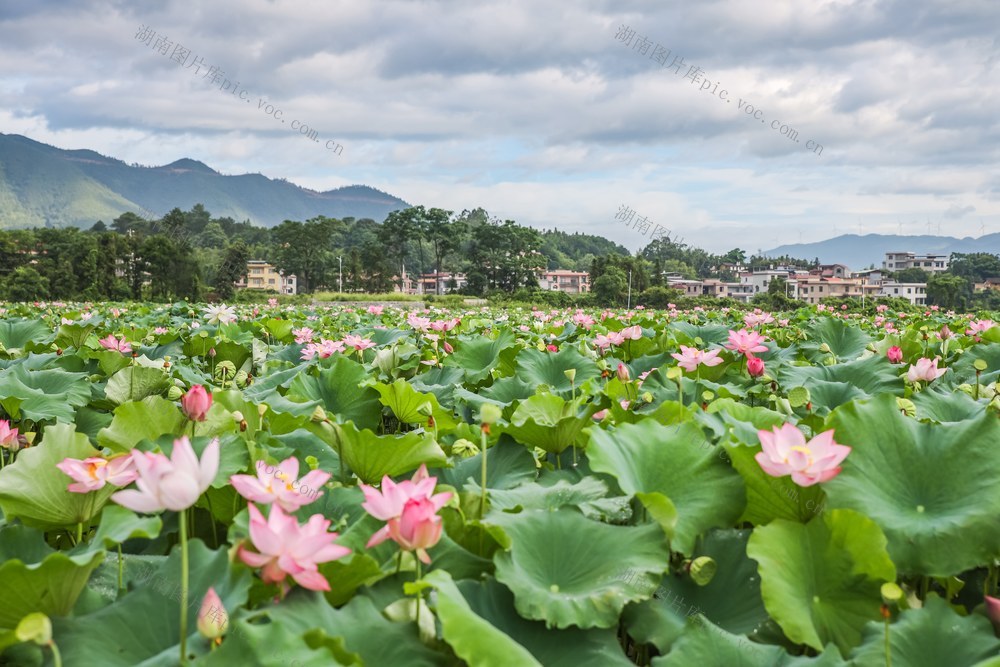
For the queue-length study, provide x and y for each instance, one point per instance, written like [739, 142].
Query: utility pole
[340, 275]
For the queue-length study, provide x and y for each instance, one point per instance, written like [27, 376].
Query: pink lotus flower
[325, 348]
[623, 373]
[273, 303]
[993, 612]
[418, 528]
[196, 402]
[945, 333]
[93, 473]
[894, 354]
[583, 320]
[979, 326]
[881, 308]
[925, 369]
[746, 342]
[690, 358]
[173, 484]
[375, 310]
[303, 335]
[757, 318]
[357, 342]
[112, 343]
[285, 548]
[613, 338]
[418, 323]
[389, 503]
[552, 348]
[159, 331]
[785, 451]
[278, 485]
[755, 366]
[212, 617]
[631, 333]
[8, 435]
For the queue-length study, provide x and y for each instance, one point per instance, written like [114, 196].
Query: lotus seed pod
[703, 569]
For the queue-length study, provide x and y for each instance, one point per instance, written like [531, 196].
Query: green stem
[79, 532]
[184, 585]
[211, 518]
[482, 495]
[399, 561]
[56, 655]
[420, 593]
[888, 646]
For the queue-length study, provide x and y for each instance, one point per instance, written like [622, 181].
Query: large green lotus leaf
[372, 456]
[657, 462]
[549, 422]
[477, 355]
[142, 628]
[821, 581]
[963, 369]
[15, 334]
[406, 403]
[548, 494]
[769, 497]
[844, 341]
[872, 376]
[346, 576]
[503, 391]
[549, 368]
[930, 637]
[261, 391]
[33, 490]
[571, 647]
[934, 491]
[945, 406]
[118, 525]
[273, 645]
[233, 352]
[731, 600]
[135, 383]
[507, 466]
[687, 333]
[51, 586]
[154, 416]
[338, 388]
[43, 394]
[363, 629]
[826, 396]
[705, 645]
[566, 570]
[473, 638]
[724, 415]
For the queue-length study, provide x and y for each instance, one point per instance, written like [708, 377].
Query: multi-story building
[897, 261]
[441, 283]
[263, 275]
[571, 282]
[813, 289]
[915, 293]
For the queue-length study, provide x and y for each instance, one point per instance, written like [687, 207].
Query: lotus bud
[702, 570]
[319, 414]
[623, 373]
[212, 617]
[211, 352]
[755, 366]
[196, 403]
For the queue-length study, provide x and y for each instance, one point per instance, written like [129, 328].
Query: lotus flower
[357, 342]
[390, 502]
[756, 318]
[631, 333]
[746, 342]
[418, 528]
[785, 451]
[613, 338]
[93, 473]
[172, 484]
[263, 489]
[212, 617]
[221, 314]
[286, 548]
[755, 366]
[112, 343]
[894, 354]
[303, 335]
[690, 358]
[925, 369]
[8, 435]
[623, 373]
[993, 612]
[196, 402]
[979, 326]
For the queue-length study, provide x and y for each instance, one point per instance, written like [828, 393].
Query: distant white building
[915, 293]
[898, 261]
[264, 276]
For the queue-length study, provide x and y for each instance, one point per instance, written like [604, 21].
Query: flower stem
[420, 593]
[79, 532]
[56, 655]
[121, 571]
[482, 495]
[888, 646]
[184, 585]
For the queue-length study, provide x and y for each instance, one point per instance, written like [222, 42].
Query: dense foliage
[373, 486]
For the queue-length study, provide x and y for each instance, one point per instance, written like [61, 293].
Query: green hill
[44, 186]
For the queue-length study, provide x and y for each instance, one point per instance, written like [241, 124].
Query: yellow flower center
[804, 450]
[92, 468]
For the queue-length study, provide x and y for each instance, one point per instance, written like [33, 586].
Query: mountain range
[45, 186]
[859, 252]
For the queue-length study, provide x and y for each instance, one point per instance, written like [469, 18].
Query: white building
[897, 261]
[915, 293]
[264, 276]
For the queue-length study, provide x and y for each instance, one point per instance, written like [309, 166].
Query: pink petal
[137, 501]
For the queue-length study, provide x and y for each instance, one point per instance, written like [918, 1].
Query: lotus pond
[279, 485]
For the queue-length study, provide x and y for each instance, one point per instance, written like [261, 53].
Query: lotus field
[367, 485]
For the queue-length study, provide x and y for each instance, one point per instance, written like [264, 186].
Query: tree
[399, 228]
[303, 249]
[975, 267]
[445, 236]
[234, 267]
[946, 291]
[26, 284]
[609, 289]
[911, 275]
[504, 256]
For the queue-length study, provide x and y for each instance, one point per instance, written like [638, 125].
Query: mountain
[45, 186]
[858, 252]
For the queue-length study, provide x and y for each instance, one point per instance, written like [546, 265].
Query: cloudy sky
[554, 113]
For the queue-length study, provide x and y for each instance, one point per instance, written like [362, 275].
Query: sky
[730, 123]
